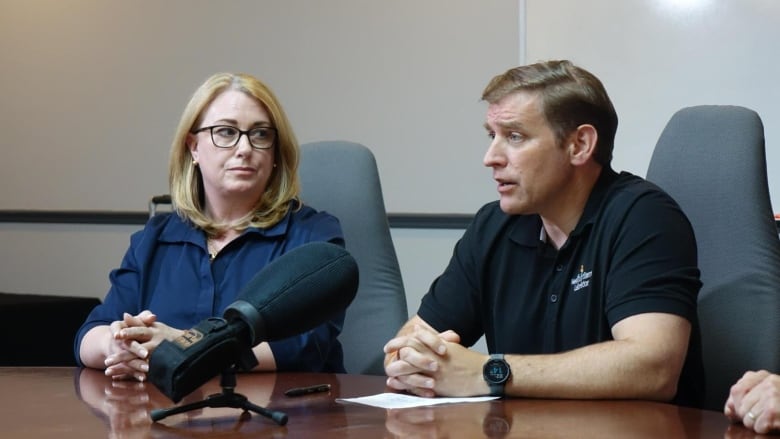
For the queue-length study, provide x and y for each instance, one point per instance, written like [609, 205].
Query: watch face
[496, 371]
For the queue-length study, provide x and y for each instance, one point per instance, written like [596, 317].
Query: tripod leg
[158, 414]
[229, 399]
[276, 416]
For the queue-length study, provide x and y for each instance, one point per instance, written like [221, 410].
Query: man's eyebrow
[510, 125]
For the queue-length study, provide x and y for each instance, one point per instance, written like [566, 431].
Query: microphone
[294, 293]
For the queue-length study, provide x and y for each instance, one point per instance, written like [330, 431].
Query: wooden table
[83, 403]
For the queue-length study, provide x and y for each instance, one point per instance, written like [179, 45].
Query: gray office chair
[711, 159]
[341, 178]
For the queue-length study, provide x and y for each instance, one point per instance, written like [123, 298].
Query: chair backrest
[342, 179]
[711, 160]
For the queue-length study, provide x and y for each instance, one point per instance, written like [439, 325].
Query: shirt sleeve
[653, 262]
[121, 297]
[453, 302]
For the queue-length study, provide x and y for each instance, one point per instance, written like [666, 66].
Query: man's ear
[582, 144]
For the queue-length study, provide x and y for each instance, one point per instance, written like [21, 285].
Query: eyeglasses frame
[240, 133]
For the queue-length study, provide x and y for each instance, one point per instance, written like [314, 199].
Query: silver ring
[751, 416]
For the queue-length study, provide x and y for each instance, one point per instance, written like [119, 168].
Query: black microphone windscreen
[296, 292]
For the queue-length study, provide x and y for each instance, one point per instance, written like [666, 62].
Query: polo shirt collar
[529, 231]
[595, 200]
[526, 230]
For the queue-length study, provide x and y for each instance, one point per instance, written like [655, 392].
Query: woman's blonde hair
[186, 183]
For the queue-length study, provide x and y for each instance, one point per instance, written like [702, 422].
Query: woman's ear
[582, 144]
[191, 141]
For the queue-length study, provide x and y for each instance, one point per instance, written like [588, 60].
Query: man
[755, 401]
[583, 281]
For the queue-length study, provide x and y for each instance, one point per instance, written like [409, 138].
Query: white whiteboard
[92, 90]
[657, 56]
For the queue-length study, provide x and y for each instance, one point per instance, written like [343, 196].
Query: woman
[234, 188]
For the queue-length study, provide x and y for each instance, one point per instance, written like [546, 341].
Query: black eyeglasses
[226, 136]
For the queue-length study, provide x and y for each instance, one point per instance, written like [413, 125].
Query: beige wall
[92, 89]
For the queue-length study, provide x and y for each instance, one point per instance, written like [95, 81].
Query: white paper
[402, 400]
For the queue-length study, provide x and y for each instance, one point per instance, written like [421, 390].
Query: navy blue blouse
[167, 271]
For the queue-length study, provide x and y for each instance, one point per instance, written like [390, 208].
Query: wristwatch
[496, 372]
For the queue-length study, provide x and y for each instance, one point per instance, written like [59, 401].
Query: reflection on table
[67, 402]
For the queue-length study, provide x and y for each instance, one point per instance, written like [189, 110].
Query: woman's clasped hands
[133, 339]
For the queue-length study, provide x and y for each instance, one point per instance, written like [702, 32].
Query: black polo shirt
[632, 252]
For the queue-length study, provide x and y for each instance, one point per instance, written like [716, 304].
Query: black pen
[300, 391]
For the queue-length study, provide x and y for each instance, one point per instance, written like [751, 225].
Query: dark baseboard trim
[396, 220]
[73, 217]
[429, 220]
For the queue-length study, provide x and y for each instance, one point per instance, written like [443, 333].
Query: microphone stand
[228, 398]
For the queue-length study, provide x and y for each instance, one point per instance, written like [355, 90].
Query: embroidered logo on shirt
[581, 280]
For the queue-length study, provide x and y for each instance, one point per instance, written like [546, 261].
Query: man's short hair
[570, 96]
